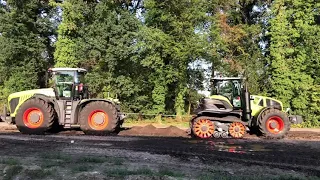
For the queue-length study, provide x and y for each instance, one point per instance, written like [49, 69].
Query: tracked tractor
[232, 112]
[65, 104]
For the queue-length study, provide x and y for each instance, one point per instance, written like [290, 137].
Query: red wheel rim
[98, 120]
[203, 128]
[33, 118]
[275, 125]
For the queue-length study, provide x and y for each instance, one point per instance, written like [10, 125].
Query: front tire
[99, 118]
[35, 116]
[274, 124]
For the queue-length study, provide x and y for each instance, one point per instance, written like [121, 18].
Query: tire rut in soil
[282, 155]
[181, 147]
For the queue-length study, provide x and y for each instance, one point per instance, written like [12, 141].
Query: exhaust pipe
[247, 99]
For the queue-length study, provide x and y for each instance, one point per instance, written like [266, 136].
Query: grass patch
[80, 168]
[12, 171]
[61, 160]
[125, 172]
[291, 177]
[90, 159]
[165, 171]
[142, 171]
[115, 160]
[56, 155]
[38, 173]
[48, 163]
[9, 161]
[225, 176]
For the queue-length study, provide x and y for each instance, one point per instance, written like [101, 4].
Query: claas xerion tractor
[65, 104]
[231, 112]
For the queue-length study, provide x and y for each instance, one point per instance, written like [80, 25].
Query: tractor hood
[16, 99]
[46, 91]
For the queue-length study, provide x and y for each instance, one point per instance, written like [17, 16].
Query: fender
[50, 100]
[86, 101]
[255, 119]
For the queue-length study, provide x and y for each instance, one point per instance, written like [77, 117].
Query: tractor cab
[229, 88]
[68, 83]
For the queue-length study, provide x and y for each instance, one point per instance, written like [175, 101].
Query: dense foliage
[26, 49]
[156, 55]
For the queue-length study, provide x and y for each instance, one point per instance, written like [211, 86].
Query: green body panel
[257, 104]
[222, 98]
[255, 107]
[261, 100]
[25, 95]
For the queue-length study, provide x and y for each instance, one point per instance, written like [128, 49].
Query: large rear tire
[99, 118]
[35, 116]
[273, 124]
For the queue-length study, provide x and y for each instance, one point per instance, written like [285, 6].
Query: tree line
[156, 55]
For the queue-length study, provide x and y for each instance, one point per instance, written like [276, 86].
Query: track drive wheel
[99, 118]
[35, 116]
[203, 128]
[273, 124]
[237, 130]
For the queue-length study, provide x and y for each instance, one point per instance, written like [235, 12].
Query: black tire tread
[261, 124]
[109, 108]
[47, 110]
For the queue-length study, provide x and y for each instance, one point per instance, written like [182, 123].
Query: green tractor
[64, 105]
[231, 112]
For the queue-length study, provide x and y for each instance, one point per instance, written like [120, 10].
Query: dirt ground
[156, 153]
[173, 131]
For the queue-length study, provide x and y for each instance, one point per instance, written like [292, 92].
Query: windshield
[64, 82]
[224, 88]
[64, 77]
[229, 89]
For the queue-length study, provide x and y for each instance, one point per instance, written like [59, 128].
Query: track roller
[237, 130]
[224, 135]
[216, 134]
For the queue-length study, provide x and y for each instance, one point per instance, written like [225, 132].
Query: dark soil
[304, 135]
[171, 131]
[294, 153]
[299, 156]
[151, 130]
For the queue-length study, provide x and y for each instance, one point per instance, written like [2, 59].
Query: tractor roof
[68, 69]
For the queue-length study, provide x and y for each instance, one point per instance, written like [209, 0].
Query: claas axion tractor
[231, 112]
[65, 104]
